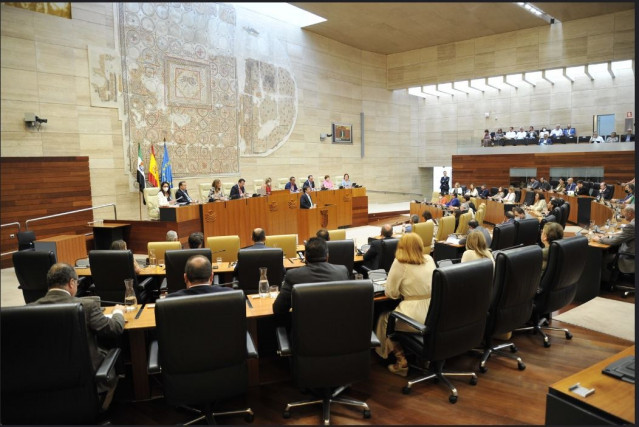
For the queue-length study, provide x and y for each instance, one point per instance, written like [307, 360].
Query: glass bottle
[130, 300]
[263, 283]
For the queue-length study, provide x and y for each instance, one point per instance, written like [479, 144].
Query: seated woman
[471, 191]
[410, 277]
[328, 184]
[476, 248]
[429, 216]
[630, 195]
[267, 186]
[552, 231]
[613, 137]
[346, 182]
[164, 196]
[539, 206]
[457, 189]
[499, 195]
[120, 245]
[510, 197]
[216, 193]
[553, 209]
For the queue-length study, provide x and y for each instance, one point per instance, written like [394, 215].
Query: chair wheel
[406, 390]
[546, 342]
[521, 366]
[286, 414]
[625, 295]
[513, 349]
[249, 418]
[452, 399]
[436, 380]
[483, 369]
[473, 380]
[568, 336]
[367, 413]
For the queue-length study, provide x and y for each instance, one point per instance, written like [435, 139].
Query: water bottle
[263, 283]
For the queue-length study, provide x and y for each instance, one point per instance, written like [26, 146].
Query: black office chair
[175, 261]
[503, 236]
[455, 322]
[517, 196]
[341, 252]
[611, 191]
[25, 240]
[558, 284]
[526, 231]
[250, 261]
[46, 372]
[626, 268]
[109, 269]
[530, 198]
[566, 213]
[493, 191]
[31, 269]
[328, 356]
[201, 351]
[384, 258]
[517, 273]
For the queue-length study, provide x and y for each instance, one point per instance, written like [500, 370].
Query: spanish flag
[154, 176]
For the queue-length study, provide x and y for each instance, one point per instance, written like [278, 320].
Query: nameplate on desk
[453, 239]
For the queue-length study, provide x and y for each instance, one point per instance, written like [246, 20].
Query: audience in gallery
[172, 236]
[290, 185]
[532, 134]
[628, 137]
[473, 225]
[238, 191]
[346, 181]
[164, 195]
[216, 193]
[552, 231]
[596, 139]
[409, 278]
[120, 245]
[511, 134]
[557, 132]
[328, 184]
[487, 140]
[570, 132]
[476, 248]
[266, 187]
[613, 137]
[198, 278]
[545, 139]
[196, 240]
[522, 134]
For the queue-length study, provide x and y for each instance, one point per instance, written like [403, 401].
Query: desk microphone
[217, 252]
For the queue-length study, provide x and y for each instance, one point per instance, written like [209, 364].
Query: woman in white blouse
[476, 248]
[510, 197]
[539, 205]
[346, 182]
[471, 191]
[164, 196]
[216, 192]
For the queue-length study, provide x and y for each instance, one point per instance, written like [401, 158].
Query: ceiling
[393, 27]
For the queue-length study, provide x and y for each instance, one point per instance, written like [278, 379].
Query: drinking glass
[219, 262]
[273, 291]
[152, 259]
[359, 277]
[130, 301]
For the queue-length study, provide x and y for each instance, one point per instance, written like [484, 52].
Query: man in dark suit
[317, 269]
[198, 276]
[305, 200]
[290, 185]
[237, 191]
[628, 137]
[570, 186]
[484, 192]
[310, 182]
[182, 195]
[581, 190]
[371, 257]
[534, 184]
[62, 281]
[604, 192]
[259, 242]
[626, 241]
[544, 185]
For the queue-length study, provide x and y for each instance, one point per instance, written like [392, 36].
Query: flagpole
[140, 204]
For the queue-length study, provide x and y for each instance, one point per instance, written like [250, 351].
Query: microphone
[217, 252]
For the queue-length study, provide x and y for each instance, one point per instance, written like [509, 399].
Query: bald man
[371, 257]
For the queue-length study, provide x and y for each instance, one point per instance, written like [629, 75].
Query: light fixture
[478, 84]
[532, 77]
[511, 79]
[444, 87]
[598, 70]
[494, 82]
[283, 12]
[417, 91]
[460, 86]
[537, 12]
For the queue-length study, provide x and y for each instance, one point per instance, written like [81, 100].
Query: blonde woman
[476, 248]
[217, 191]
[409, 277]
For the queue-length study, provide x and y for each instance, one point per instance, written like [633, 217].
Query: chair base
[538, 328]
[497, 351]
[326, 404]
[439, 375]
[209, 415]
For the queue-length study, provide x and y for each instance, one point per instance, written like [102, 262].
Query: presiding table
[613, 401]
[106, 233]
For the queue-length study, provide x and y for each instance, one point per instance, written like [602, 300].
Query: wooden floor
[503, 395]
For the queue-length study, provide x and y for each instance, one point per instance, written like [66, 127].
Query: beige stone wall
[582, 41]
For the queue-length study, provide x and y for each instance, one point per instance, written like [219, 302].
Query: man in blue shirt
[290, 185]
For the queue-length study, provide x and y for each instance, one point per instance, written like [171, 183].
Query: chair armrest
[251, 351]
[374, 340]
[164, 285]
[106, 370]
[153, 366]
[283, 345]
[394, 316]
[143, 284]
[366, 269]
[216, 279]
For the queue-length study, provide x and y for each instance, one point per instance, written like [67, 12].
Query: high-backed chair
[109, 269]
[175, 261]
[229, 245]
[202, 364]
[204, 192]
[281, 183]
[337, 234]
[31, 269]
[173, 191]
[152, 204]
[481, 214]
[161, 247]
[341, 252]
[455, 322]
[250, 261]
[566, 206]
[286, 242]
[611, 191]
[26, 239]
[462, 226]
[517, 196]
[324, 361]
[503, 236]
[625, 267]
[565, 211]
[517, 273]
[227, 187]
[530, 198]
[47, 373]
[445, 228]
[257, 184]
[425, 230]
[434, 198]
[558, 285]
[526, 231]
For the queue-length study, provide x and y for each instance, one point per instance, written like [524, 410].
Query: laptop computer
[623, 369]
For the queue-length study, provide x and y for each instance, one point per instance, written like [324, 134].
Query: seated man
[310, 182]
[534, 184]
[628, 137]
[522, 133]
[545, 139]
[570, 132]
[484, 192]
[626, 239]
[414, 219]
[596, 138]
[62, 281]
[511, 134]
[604, 192]
[581, 189]
[521, 214]
[196, 240]
[305, 200]
[473, 225]
[323, 233]
[172, 236]
[259, 242]
[198, 276]
[182, 195]
[613, 137]
[371, 256]
[570, 186]
[557, 132]
[290, 185]
[238, 191]
[317, 269]
[543, 184]
[509, 218]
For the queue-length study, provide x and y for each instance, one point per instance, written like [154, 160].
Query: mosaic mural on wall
[189, 78]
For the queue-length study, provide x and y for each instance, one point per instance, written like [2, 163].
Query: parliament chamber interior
[302, 213]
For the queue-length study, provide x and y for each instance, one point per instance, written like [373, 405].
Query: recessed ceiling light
[284, 12]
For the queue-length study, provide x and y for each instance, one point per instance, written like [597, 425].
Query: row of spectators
[547, 137]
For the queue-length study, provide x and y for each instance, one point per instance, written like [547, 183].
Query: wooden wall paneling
[214, 219]
[282, 210]
[256, 215]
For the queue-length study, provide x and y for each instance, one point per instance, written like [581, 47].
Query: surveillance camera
[39, 120]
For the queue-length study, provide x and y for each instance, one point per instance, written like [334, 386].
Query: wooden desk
[419, 208]
[68, 248]
[180, 213]
[105, 234]
[311, 220]
[612, 403]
